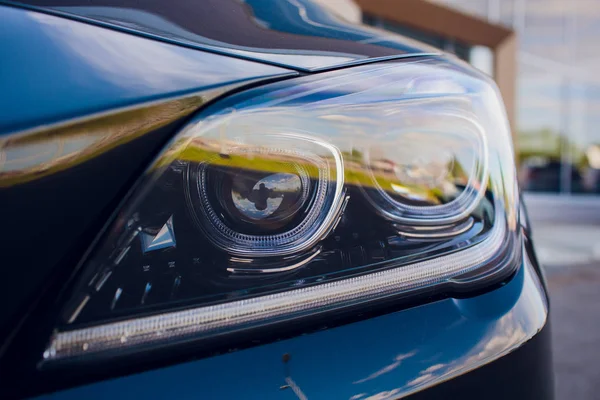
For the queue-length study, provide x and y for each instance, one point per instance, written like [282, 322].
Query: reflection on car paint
[82, 110]
[382, 358]
[92, 69]
[291, 33]
[107, 69]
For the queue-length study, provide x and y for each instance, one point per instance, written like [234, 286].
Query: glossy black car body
[94, 92]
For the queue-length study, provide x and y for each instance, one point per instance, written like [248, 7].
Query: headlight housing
[302, 197]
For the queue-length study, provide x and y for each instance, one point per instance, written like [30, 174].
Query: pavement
[567, 241]
[575, 317]
[566, 229]
[564, 245]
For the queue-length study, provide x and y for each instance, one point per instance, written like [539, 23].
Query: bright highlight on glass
[206, 320]
[300, 197]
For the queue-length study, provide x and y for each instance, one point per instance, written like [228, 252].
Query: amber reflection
[38, 154]
[425, 182]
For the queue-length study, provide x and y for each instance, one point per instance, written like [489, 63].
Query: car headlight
[303, 197]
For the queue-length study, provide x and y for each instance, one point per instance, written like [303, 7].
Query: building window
[458, 48]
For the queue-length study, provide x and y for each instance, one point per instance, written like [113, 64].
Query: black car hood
[297, 34]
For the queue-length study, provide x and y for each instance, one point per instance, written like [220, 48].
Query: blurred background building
[558, 89]
[549, 75]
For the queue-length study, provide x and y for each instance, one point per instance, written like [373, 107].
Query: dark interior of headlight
[188, 269]
[279, 209]
[255, 202]
[265, 201]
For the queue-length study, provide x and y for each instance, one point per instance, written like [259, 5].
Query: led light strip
[204, 320]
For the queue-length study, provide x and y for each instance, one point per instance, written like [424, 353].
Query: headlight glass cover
[302, 197]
